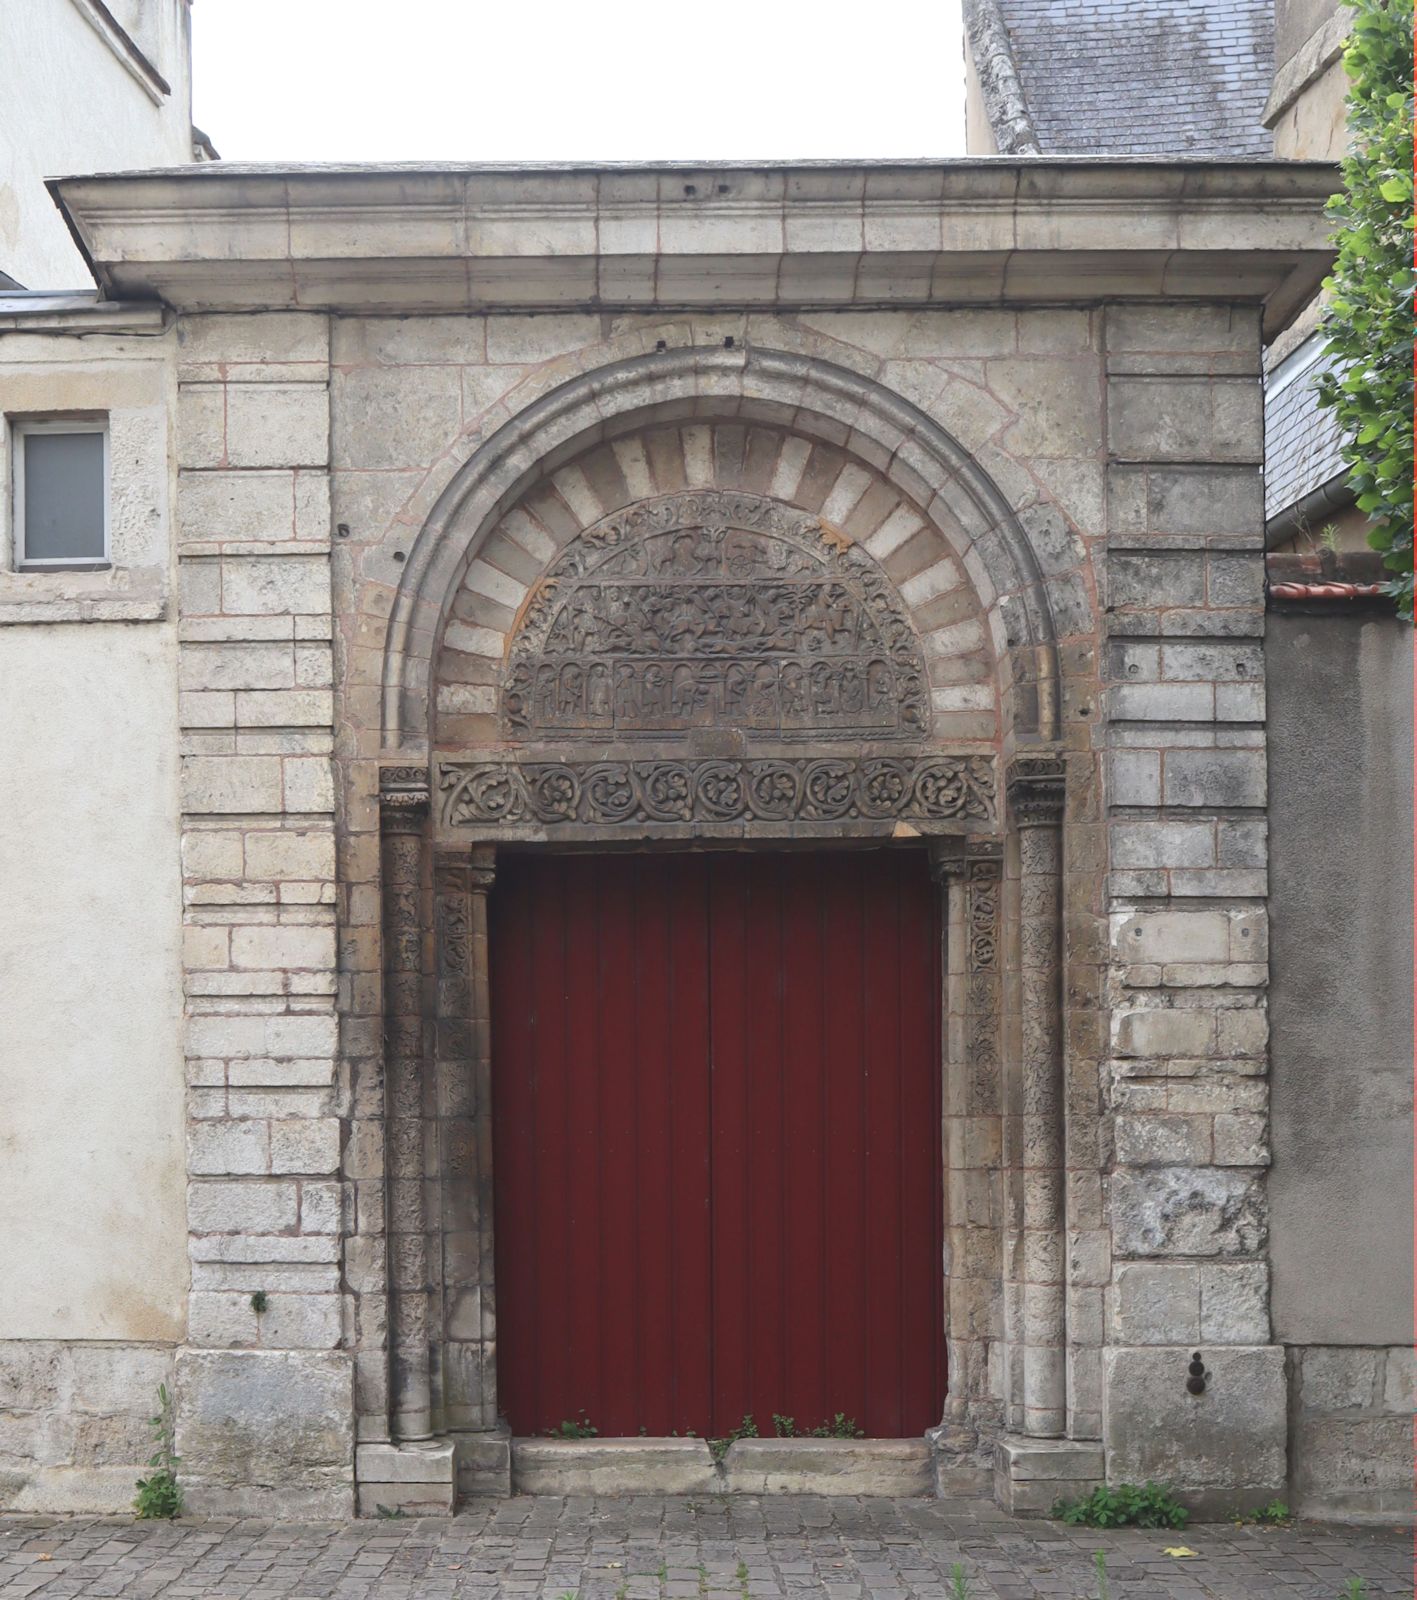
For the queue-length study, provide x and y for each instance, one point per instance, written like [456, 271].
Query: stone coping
[77, 311]
[459, 239]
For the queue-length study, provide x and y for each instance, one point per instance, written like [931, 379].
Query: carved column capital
[974, 856]
[482, 868]
[403, 799]
[1036, 788]
[465, 869]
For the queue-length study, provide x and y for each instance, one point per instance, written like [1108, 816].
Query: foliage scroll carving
[550, 795]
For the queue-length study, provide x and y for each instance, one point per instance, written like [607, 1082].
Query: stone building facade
[1340, 714]
[999, 423]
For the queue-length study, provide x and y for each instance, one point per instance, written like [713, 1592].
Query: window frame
[20, 430]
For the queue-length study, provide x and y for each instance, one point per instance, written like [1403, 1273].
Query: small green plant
[259, 1302]
[1273, 1516]
[579, 1427]
[1124, 1505]
[159, 1494]
[1368, 317]
[840, 1427]
[746, 1429]
[959, 1585]
[1354, 1589]
[784, 1427]
[390, 1513]
[1099, 1560]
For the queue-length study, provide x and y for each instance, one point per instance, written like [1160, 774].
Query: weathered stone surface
[266, 1430]
[1228, 1440]
[1186, 1211]
[829, 1466]
[1152, 1303]
[1032, 1475]
[613, 1466]
[1235, 1303]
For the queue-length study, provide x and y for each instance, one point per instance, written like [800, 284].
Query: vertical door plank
[688, 1213]
[734, 1318]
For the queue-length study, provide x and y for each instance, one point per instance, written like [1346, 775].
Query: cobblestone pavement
[716, 1546]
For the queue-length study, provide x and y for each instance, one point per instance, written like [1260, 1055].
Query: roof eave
[998, 230]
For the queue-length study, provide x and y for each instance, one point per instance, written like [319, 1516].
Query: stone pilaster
[465, 1333]
[970, 880]
[263, 1382]
[1185, 804]
[1036, 801]
[462, 1067]
[403, 820]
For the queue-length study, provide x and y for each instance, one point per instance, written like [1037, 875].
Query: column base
[484, 1463]
[960, 1461]
[1032, 1475]
[417, 1479]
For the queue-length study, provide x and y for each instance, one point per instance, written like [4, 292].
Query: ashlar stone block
[1187, 1211]
[276, 425]
[1223, 1448]
[1155, 1304]
[263, 1430]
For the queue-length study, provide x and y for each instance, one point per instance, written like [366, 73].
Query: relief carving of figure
[598, 692]
[706, 606]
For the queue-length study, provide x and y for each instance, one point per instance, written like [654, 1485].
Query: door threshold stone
[613, 1466]
[883, 1467]
[895, 1467]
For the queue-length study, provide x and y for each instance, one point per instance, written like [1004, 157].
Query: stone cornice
[77, 312]
[978, 231]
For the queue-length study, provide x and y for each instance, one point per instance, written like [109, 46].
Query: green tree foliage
[1369, 317]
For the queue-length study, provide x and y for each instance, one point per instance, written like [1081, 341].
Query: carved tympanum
[714, 609]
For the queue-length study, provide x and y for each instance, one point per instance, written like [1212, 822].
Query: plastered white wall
[69, 104]
[92, 1210]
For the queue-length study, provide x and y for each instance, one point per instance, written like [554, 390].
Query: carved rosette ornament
[715, 609]
[481, 795]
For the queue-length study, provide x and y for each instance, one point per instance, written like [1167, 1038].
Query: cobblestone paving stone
[647, 1548]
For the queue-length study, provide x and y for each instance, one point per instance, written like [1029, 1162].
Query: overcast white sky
[548, 80]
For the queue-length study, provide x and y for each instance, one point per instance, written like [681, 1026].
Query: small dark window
[61, 494]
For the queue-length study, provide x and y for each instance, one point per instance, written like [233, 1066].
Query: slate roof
[1144, 77]
[1301, 443]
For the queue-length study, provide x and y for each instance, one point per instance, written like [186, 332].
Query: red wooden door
[717, 1141]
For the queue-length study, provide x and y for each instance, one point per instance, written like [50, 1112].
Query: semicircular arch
[813, 399]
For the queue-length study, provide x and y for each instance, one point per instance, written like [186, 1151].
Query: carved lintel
[565, 795]
[1037, 789]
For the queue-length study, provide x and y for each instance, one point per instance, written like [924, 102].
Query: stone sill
[64, 608]
[889, 1467]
